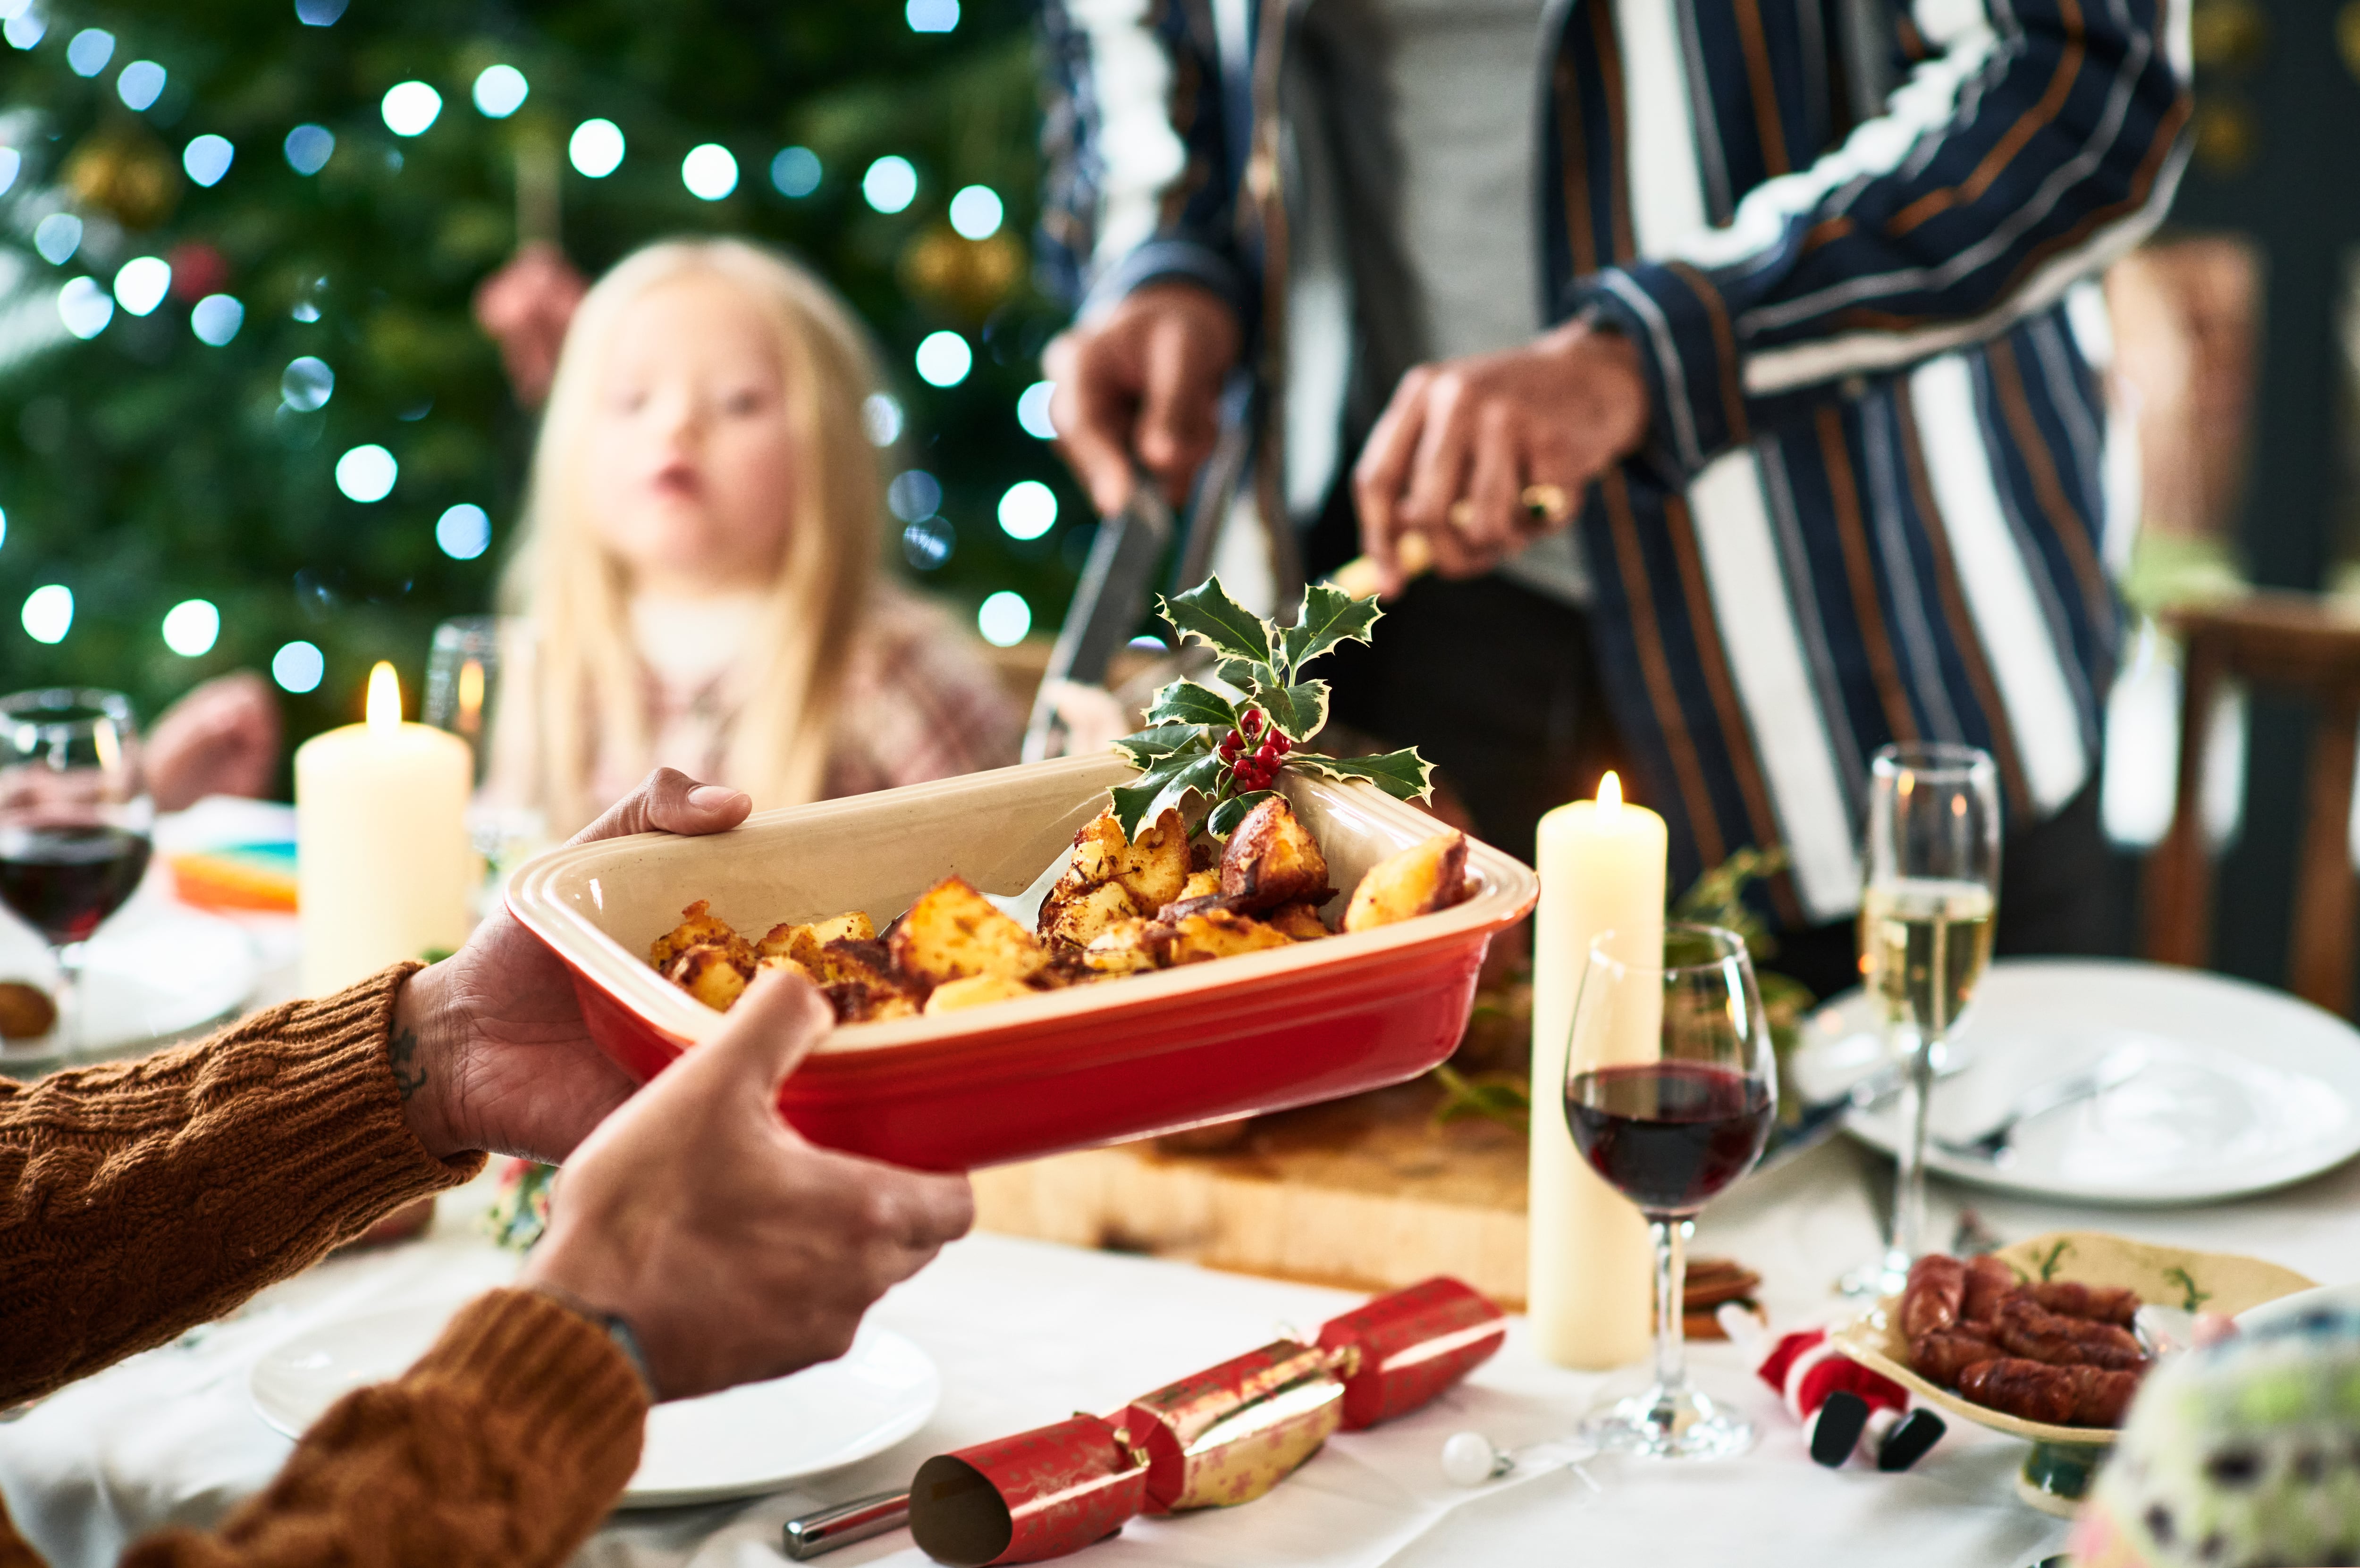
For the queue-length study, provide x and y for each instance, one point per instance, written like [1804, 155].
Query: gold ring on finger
[1546, 503]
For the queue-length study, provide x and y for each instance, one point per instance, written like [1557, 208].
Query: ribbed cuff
[1676, 317]
[553, 1383]
[1174, 261]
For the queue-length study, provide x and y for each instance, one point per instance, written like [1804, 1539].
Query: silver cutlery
[823, 1529]
[2110, 1071]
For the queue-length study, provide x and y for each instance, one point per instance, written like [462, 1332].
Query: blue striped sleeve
[2042, 139]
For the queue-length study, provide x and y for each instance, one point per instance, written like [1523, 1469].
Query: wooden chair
[2301, 646]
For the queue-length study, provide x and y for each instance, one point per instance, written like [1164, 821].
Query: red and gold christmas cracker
[1222, 1436]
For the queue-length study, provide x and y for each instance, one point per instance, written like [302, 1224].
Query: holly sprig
[1201, 742]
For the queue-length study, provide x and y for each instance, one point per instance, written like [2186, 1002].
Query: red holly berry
[1253, 722]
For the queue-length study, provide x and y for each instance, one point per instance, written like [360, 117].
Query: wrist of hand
[617, 1326]
[1606, 366]
[424, 1047]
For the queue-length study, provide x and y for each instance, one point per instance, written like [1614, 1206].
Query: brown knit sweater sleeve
[139, 1199]
[505, 1444]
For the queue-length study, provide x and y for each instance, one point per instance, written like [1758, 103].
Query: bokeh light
[191, 627]
[409, 107]
[1004, 618]
[944, 359]
[931, 16]
[141, 283]
[366, 473]
[1033, 410]
[709, 171]
[11, 160]
[307, 384]
[48, 615]
[915, 495]
[881, 416]
[319, 14]
[926, 543]
[795, 171]
[141, 83]
[90, 50]
[215, 319]
[84, 308]
[596, 148]
[207, 159]
[501, 90]
[26, 28]
[57, 237]
[464, 531]
[977, 212]
[1028, 510]
[891, 184]
[298, 666]
[309, 149]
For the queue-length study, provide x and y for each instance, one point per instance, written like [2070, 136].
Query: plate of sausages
[2038, 1339]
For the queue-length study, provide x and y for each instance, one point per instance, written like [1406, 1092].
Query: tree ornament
[126, 174]
[968, 278]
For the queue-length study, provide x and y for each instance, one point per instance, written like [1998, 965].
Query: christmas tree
[246, 418]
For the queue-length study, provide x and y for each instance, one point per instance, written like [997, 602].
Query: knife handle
[824, 1530]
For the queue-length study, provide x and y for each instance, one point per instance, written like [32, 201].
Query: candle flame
[471, 696]
[383, 697]
[1610, 792]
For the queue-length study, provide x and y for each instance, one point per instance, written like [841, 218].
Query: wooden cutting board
[1365, 1193]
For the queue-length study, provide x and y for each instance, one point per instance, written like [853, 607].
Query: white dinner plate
[156, 970]
[2343, 1299]
[2243, 1089]
[737, 1443]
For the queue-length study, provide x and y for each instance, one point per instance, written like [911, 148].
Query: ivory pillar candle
[1590, 1272]
[383, 865]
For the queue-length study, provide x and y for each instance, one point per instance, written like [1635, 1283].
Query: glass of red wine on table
[73, 824]
[1670, 1088]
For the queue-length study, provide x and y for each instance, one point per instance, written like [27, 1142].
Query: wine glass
[1930, 894]
[477, 662]
[73, 824]
[1670, 1089]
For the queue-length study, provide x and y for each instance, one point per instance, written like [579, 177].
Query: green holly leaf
[1298, 711]
[1225, 817]
[1329, 616]
[1132, 800]
[1201, 776]
[1147, 746]
[1207, 613]
[1403, 775]
[1187, 702]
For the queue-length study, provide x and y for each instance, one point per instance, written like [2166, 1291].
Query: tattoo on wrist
[409, 1073]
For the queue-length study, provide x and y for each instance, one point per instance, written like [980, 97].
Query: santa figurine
[1844, 1408]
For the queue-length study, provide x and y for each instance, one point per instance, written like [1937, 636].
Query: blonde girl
[700, 558]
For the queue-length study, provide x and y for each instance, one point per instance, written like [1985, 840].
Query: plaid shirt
[1879, 496]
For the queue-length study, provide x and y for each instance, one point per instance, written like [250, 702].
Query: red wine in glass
[65, 880]
[1668, 1135]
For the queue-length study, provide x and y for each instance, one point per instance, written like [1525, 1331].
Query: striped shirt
[1881, 484]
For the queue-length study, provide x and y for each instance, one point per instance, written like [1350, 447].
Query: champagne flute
[1670, 1091]
[1930, 892]
[74, 824]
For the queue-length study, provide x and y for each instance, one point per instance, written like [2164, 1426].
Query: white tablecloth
[1026, 1332]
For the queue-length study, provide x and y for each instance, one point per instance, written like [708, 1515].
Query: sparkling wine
[1925, 942]
[65, 880]
[1668, 1135]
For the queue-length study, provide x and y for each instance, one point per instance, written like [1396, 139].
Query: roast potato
[953, 931]
[1129, 947]
[1418, 881]
[1080, 919]
[1299, 920]
[1273, 859]
[1219, 933]
[707, 974]
[861, 1002]
[802, 942]
[1151, 867]
[699, 927]
[975, 991]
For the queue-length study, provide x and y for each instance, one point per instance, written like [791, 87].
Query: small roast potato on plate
[1419, 881]
[1085, 916]
[1272, 859]
[1219, 933]
[710, 975]
[699, 927]
[802, 942]
[975, 991]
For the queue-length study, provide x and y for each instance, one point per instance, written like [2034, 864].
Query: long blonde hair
[591, 686]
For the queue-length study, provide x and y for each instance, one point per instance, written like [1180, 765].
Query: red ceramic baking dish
[1064, 1069]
